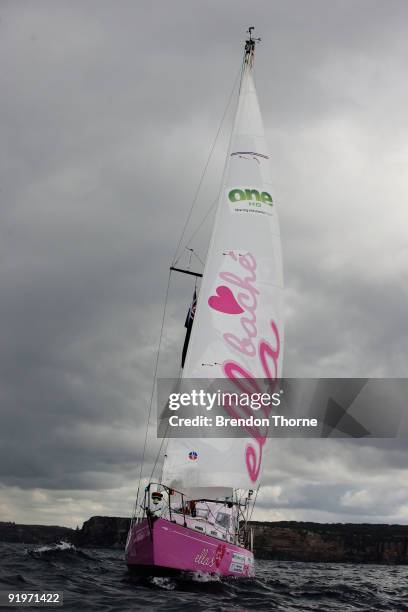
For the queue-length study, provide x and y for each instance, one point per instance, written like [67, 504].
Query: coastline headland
[281, 540]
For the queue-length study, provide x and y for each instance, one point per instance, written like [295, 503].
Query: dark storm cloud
[107, 114]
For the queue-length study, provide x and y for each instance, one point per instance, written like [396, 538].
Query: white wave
[57, 546]
[204, 577]
[163, 583]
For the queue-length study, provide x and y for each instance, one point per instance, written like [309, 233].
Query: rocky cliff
[34, 534]
[341, 542]
[357, 543]
[103, 531]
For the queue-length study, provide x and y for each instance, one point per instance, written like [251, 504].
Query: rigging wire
[240, 77]
[196, 255]
[175, 258]
[197, 229]
[237, 79]
[199, 226]
[253, 504]
[164, 439]
[153, 387]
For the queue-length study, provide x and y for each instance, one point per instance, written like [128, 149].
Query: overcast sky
[107, 114]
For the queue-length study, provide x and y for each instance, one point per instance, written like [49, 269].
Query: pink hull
[169, 546]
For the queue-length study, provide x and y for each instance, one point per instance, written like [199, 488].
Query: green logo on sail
[252, 196]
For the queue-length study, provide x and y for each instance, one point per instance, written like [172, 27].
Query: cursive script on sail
[264, 352]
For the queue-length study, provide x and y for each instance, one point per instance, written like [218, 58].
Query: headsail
[238, 326]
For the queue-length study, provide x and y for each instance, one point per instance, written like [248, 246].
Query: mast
[238, 325]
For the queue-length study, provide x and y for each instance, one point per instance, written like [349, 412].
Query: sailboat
[196, 518]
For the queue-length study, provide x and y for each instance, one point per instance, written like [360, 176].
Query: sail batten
[238, 323]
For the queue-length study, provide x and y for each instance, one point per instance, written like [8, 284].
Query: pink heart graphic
[225, 301]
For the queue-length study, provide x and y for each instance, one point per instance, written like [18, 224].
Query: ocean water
[98, 580]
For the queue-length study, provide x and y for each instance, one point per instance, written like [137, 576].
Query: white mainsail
[238, 326]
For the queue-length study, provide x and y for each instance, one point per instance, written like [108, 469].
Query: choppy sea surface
[98, 580]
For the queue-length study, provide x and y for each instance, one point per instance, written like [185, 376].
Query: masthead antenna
[250, 45]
